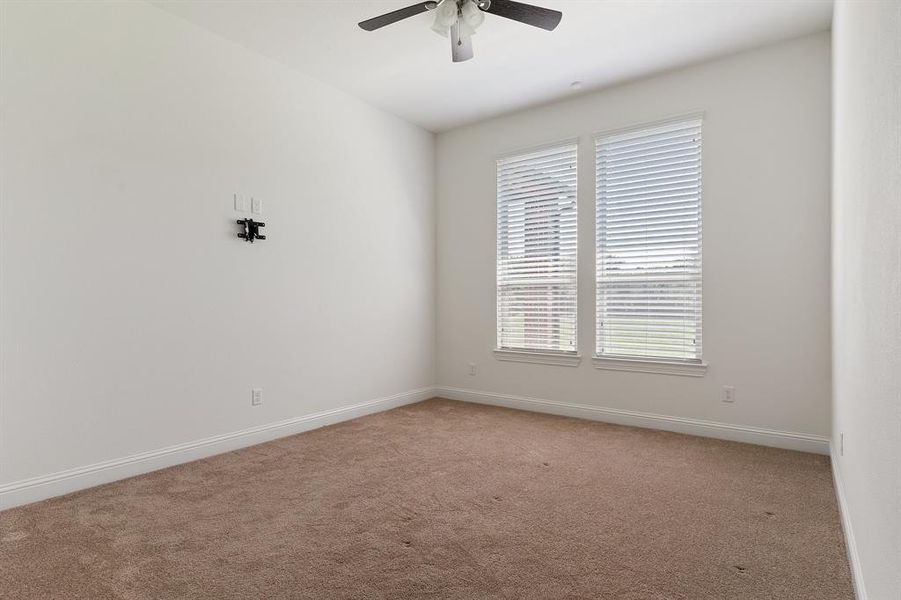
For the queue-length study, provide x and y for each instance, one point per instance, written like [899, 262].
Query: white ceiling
[406, 68]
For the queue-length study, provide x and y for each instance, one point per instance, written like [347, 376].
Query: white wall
[766, 242]
[132, 317]
[867, 286]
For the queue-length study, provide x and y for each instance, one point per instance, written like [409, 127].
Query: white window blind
[536, 250]
[649, 242]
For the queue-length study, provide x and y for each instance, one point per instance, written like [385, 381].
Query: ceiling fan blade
[395, 16]
[536, 16]
[461, 45]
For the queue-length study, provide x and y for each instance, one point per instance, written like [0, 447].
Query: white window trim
[561, 359]
[646, 365]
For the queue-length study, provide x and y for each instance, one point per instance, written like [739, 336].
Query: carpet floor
[443, 499]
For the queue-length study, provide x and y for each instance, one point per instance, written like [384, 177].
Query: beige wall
[867, 287]
[766, 242]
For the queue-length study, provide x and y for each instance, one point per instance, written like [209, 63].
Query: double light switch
[244, 204]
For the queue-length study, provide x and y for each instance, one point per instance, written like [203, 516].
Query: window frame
[537, 356]
[647, 364]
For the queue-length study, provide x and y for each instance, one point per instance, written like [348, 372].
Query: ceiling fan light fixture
[445, 17]
[470, 17]
[465, 14]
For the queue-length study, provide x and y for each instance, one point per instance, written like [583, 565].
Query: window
[536, 251]
[648, 243]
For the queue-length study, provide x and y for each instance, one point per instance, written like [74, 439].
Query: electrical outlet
[728, 393]
[240, 203]
[472, 369]
[256, 397]
[256, 206]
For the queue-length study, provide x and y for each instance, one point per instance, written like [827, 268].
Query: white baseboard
[71, 480]
[723, 431]
[860, 591]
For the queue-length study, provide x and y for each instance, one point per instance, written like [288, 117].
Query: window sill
[662, 367]
[542, 358]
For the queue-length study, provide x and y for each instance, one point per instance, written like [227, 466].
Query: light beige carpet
[446, 500]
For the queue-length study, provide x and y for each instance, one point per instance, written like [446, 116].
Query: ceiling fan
[459, 19]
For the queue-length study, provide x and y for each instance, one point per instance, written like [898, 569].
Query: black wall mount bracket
[251, 230]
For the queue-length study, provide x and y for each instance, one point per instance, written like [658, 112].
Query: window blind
[648, 240]
[536, 250]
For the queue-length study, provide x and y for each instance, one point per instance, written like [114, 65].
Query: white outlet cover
[240, 203]
[256, 206]
[256, 397]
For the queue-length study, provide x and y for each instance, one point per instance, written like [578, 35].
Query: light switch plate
[728, 393]
[240, 203]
